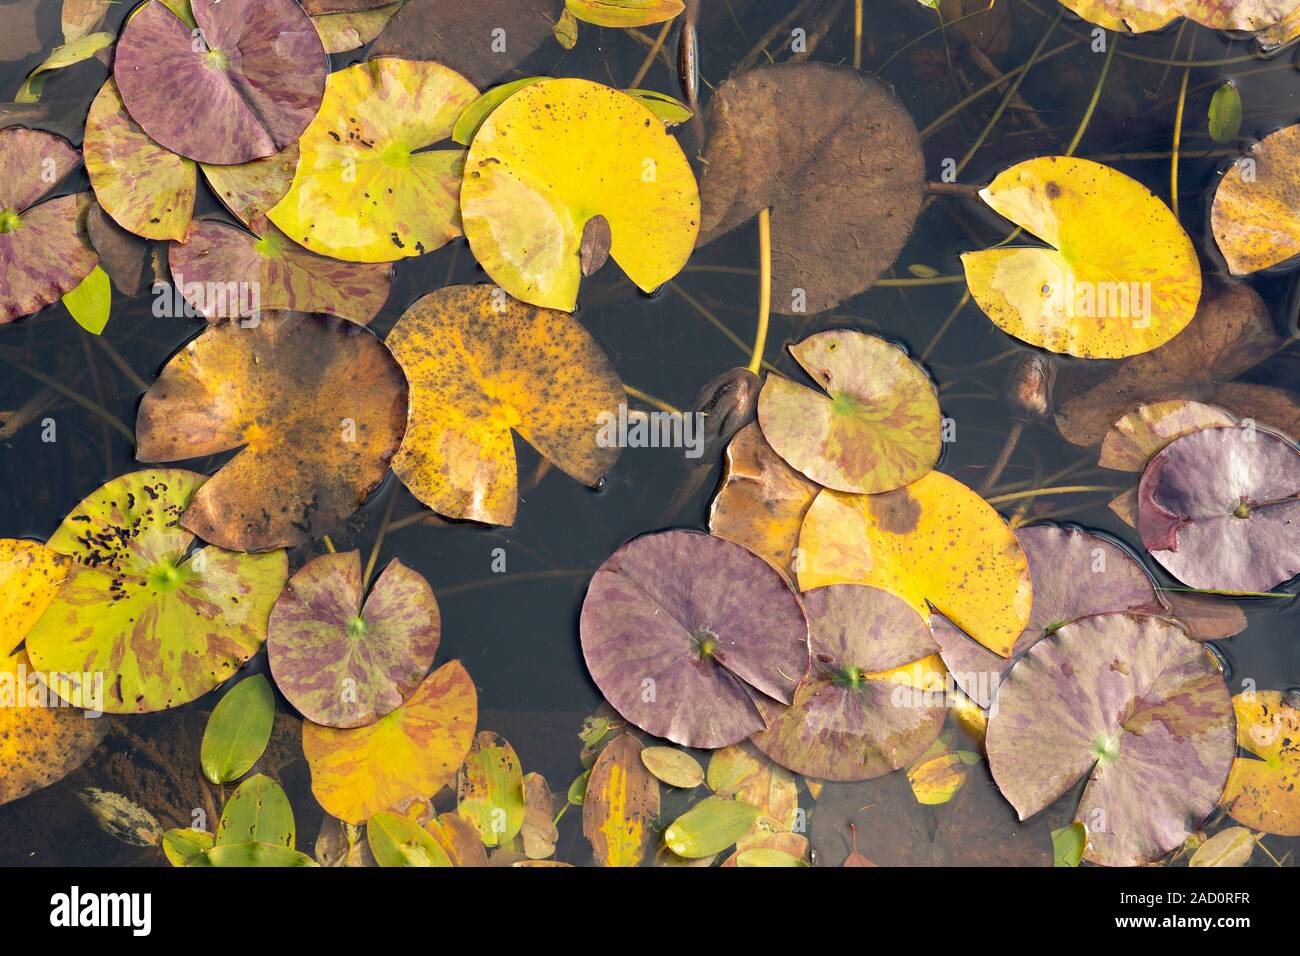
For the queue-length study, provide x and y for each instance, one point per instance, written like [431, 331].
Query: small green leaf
[673, 767]
[624, 13]
[399, 841]
[922, 271]
[61, 56]
[183, 847]
[490, 790]
[709, 827]
[672, 111]
[578, 789]
[765, 856]
[259, 812]
[91, 301]
[1068, 844]
[1225, 113]
[477, 112]
[252, 854]
[121, 818]
[566, 30]
[238, 730]
[1231, 847]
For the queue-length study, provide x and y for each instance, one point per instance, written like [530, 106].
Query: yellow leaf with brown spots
[1121, 276]
[1132, 440]
[621, 804]
[480, 365]
[408, 755]
[30, 577]
[1255, 215]
[1263, 790]
[933, 542]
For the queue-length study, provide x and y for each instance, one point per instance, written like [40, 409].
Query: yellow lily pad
[367, 189]
[1255, 215]
[1132, 440]
[624, 13]
[480, 365]
[1263, 790]
[30, 577]
[556, 155]
[934, 542]
[1121, 277]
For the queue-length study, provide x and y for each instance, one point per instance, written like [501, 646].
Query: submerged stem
[650, 57]
[1096, 97]
[1008, 448]
[94, 407]
[379, 540]
[857, 34]
[651, 400]
[1178, 135]
[764, 289]
[1063, 490]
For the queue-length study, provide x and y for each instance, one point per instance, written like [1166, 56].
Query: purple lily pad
[684, 632]
[344, 662]
[244, 86]
[1218, 509]
[847, 721]
[286, 276]
[1133, 704]
[1075, 574]
[44, 250]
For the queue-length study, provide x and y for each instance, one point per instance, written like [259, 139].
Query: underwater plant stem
[651, 400]
[560, 816]
[764, 289]
[329, 545]
[1004, 456]
[1096, 98]
[1063, 490]
[95, 408]
[650, 57]
[713, 320]
[1222, 593]
[857, 34]
[1178, 136]
[909, 283]
[760, 49]
[379, 540]
[98, 387]
[122, 365]
[952, 317]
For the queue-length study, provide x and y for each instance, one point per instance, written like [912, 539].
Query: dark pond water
[516, 632]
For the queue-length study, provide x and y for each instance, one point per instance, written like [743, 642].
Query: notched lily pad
[31, 575]
[316, 406]
[1136, 707]
[1263, 788]
[684, 633]
[250, 189]
[1255, 215]
[1132, 440]
[1219, 509]
[345, 658]
[838, 160]
[877, 429]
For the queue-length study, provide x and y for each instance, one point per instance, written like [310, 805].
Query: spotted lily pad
[285, 275]
[1139, 16]
[409, 754]
[316, 406]
[344, 30]
[837, 158]
[762, 501]
[40, 742]
[163, 625]
[1121, 277]
[1219, 509]
[343, 658]
[44, 251]
[31, 575]
[684, 633]
[879, 428]
[622, 14]
[845, 721]
[1262, 790]
[934, 542]
[145, 188]
[1130, 703]
[481, 365]
[250, 189]
[367, 187]
[554, 156]
[255, 69]
[1074, 574]
[1132, 440]
[1255, 215]
[490, 790]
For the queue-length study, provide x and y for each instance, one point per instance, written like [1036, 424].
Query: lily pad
[762, 501]
[621, 804]
[1121, 277]
[40, 744]
[123, 256]
[684, 633]
[344, 30]
[846, 721]
[44, 251]
[162, 624]
[490, 789]
[1231, 847]
[316, 406]
[879, 428]
[343, 658]
[464, 35]
[285, 275]
[1255, 215]
[624, 14]
[674, 767]
[1074, 574]
[367, 187]
[934, 542]
[250, 189]
[1137, 708]
[409, 754]
[1139, 16]
[147, 189]
[255, 68]
[241, 855]
[481, 365]
[709, 827]
[1262, 789]
[31, 575]
[1232, 332]
[458, 839]
[1135, 438]
[554, 156]
[837, 158]
[399, 841]
[743, 773]
[1219, 509]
